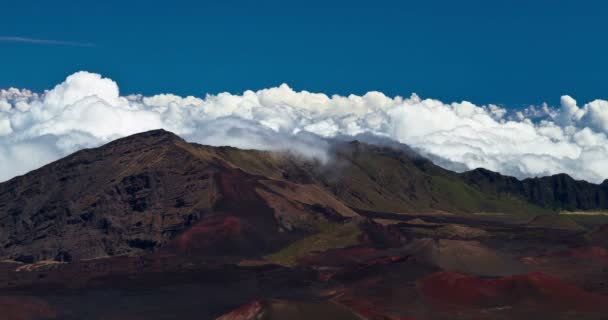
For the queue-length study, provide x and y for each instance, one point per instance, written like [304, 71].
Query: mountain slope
[150, 190]
[154, 190]
[384, 179]
[153, 227]
[556, 192]
[395, 179]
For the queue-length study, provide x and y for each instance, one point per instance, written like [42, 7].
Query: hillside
[141, 192]
[558, 192]
[384, 179]
[152, 227]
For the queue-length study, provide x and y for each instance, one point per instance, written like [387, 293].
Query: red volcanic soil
[292, 310]
[241, 222]
[25, 308]
[207, 232]
[586, 267]
[235, 184]
[371, 308]
[451, 289]
[250, 311]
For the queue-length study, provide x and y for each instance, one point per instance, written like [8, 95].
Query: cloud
[87, 110]
[45, 41]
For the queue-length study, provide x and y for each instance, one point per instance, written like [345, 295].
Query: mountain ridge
[147, 191]
[152, 227]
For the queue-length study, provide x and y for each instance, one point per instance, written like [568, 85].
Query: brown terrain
[153, 227]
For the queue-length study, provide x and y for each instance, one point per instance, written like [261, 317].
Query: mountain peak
[150, 137]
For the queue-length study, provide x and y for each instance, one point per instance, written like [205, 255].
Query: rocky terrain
[153, 227]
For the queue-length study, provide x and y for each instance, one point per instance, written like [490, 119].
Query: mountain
[154, 189]
[142, 192]
[152, 227]
[395, 179]
[559, 192]
[382, 179]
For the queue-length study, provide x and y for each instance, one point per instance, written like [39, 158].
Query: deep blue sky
[508, 52]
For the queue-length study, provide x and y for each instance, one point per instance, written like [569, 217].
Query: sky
[462, 82]
[511, 53]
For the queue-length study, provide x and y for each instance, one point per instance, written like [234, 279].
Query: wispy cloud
[46, 41]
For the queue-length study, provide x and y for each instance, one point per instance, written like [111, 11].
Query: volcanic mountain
[263, 233]
[150, 190]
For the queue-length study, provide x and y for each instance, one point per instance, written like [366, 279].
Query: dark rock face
[555, 192]
[108, 201]
[135, 195]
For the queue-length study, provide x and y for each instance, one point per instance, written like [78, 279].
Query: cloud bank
[87, 110]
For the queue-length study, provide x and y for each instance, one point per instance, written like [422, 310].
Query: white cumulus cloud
[87, 110]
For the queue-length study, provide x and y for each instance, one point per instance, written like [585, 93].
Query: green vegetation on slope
[459, 195]
[330, 236]
[385, 179]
